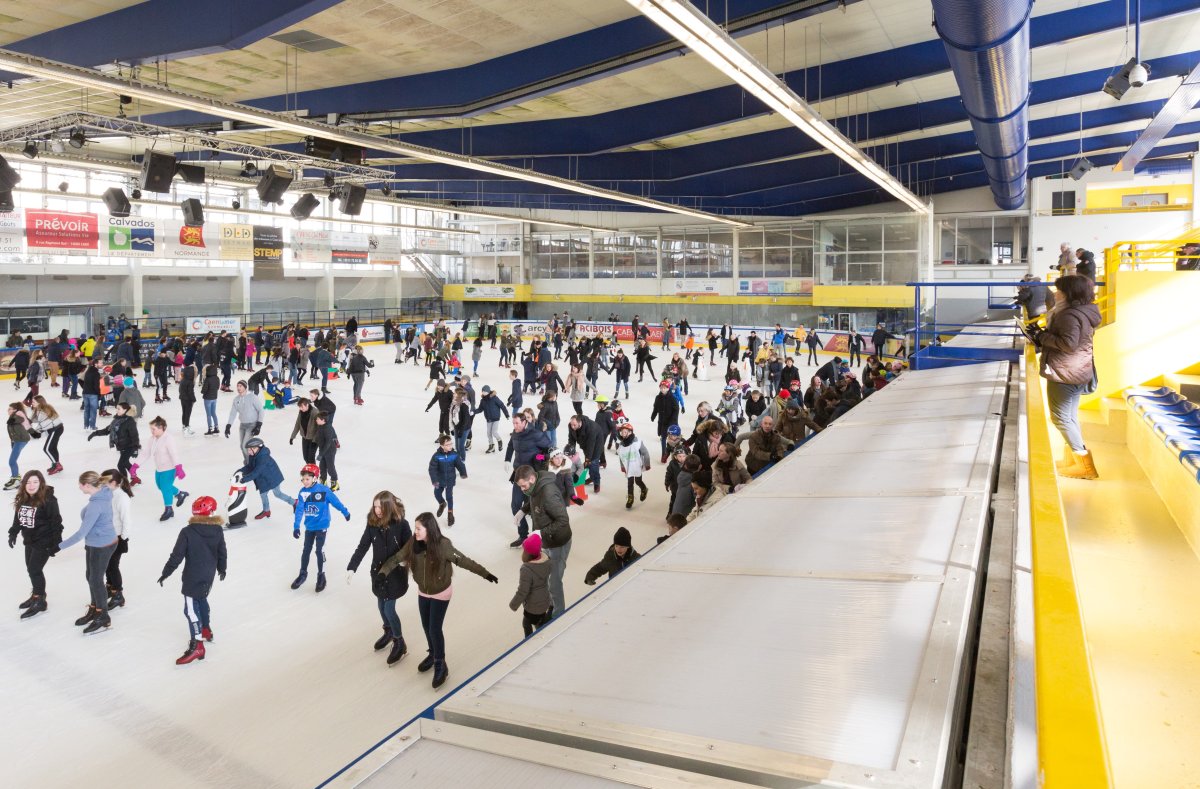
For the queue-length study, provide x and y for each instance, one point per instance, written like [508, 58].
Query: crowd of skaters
[548, 461]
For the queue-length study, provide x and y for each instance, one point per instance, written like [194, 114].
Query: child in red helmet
[201, 548]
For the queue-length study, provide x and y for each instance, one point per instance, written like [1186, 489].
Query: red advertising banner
[60, 231]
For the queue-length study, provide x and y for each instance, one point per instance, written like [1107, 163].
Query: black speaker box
[193, 212]
[274, 182]
[350, 198]
[192, 173]
[157, 171]
[116, 202]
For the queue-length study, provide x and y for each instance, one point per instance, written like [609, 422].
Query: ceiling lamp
[30, 151]
[249, 170]
[688, 24]
[329, 180]
[385, 190]
[77, 138]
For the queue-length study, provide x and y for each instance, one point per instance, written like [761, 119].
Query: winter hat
[785, 394]
[129, 381]
[533, 544]
[673, 430]
[487, 389]
[622, 538]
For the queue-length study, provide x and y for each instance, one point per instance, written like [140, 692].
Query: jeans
[1063, 400]
[245, 433]
[91, 406]
[594, 471]
[165, 482]
[35, 562]
[313, 538]
[391, 620]
[617, 391]
[444, 495]
[553, 433]
[518, 500]
[460, 444]
[197, 612]
[13, 454]
[210, 414]
[71, 385]
[558, 567]
[95, 563]
[358, 379]
[112, 574]
[277, 493]
[433, 615]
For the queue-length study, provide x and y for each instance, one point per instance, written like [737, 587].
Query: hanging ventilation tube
[987, 42]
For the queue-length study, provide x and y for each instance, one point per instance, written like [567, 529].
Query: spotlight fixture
[56, 145]
[77, 138]
[125, 99]
[6, 202]
[303, 207]
[1080, 169]
[237, 204]
[329, 180]
[30, 151]
[63, 186]
[1132, 75]
[385, 190]
[136, 194]
[249, 170]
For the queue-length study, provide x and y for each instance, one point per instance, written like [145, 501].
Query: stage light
[304, 207]
[249, 170]
[30, 151]
[78, 138]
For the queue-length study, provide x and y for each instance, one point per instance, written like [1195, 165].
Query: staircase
[430, 270]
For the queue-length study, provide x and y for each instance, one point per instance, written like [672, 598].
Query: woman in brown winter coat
[1069, 369]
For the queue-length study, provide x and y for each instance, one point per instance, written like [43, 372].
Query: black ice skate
[300, 579]
[320, 582]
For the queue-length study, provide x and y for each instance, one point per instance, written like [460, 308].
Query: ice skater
[635, 460]
[100, 540]
[249, 412]
[492, 408]
[533, 586]
[431, 559]
[200, 547]
[263, 471]
[312, 512]
[168, 467]
[39, 524]
[442, 467]
[386, 533]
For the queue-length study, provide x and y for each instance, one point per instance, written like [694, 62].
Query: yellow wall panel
[862, 296]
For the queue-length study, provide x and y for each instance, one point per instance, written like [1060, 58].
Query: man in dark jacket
[1086, 265]
[620, 555]
[621, 368]
[879, 339]
[666, 411]
[766, 445]
[588, 436]
[813, 342]
[201, 548]
[545, 505]
[263, 471]
[528, 446]
[789, 373]
[829, 372]
[443, 397]
[644, 359]
[1032, 296]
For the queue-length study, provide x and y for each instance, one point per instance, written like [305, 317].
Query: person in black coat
[857, 343]
[621, 368]
[666, 411]
[589, 437]
[386, 533]
[209, 390]
[122, 435]
[187, 396]
[789, 373]
[644, 359]
[200, 547]
[813, 342]
[443, 397]
[879, 339]
[619, 555]
[39, 524]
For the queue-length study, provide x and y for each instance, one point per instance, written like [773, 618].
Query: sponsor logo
[131, 239]
[236, 232]
[191, 237]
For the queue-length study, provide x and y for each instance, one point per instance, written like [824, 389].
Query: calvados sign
[55, 231]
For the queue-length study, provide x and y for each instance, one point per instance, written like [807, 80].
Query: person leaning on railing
[1069, 369]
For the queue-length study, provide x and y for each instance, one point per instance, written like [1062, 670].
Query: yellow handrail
[1072, 752]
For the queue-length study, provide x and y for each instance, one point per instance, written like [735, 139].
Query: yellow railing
[1072, 753]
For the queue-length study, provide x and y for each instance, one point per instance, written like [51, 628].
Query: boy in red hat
[201, 548]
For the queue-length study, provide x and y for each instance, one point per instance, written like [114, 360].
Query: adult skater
[123, 436]
[533, 586]
[209, 390]
[100, 540]
[187, 397]
[122, 519]
[527, 446]
[200, 547]
[249, 412]
[619, 555]
[263, 471]
[312, 512]
[38, 522]
[168, 467]
[306, 428]
[545, 505]
[589, 437]
[444, 399]
[621, 370]
[666, 412]
[321, 402]
[387, 532]
[357, 368]
[431, 559]
[18, 437]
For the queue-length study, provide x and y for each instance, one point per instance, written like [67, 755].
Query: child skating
[635, 460]
[200, 547]
[442, 467]
[312, 512]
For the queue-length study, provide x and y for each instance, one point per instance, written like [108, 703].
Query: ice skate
[117, 600]
[195, 651]
[425, 664]
[300, 579]
[399, 650]
[88, 616]
[262, 515]
[181, 497]
[441, 509]
[28, 602]
[187, 431]
[517, 542]
[57, 467]
[440, 672]
[629, 502]
[168, 513]
[499, 446]
[335, 486]
[491, 448]
[450, 518]
[99, 623]
[320, 582]
[12, 483]
[645, 492]
[206, 633]
[37, 604]
[384, 639]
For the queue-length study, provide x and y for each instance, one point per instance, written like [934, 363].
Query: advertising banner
[784, 286]
[384, 250]
[348, 247]
[132, 237]
[189, 243]
[61, 233]
[370, 333]
[311, 246]
[434, 244]
[215, 325]
[12, 233]
[490, 292]
[236, 242]
[697, 287]
[268, 252]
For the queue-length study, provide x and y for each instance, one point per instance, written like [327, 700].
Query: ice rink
[290, 690]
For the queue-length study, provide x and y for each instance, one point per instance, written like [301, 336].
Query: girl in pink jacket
[167, 467]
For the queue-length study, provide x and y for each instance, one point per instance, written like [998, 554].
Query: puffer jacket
[384, 542]
[430, 577]
[39, 526]
[545, 506]
[1067, 344]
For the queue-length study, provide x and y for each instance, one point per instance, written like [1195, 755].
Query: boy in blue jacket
[492, 408]
[312, 512]
[442, 465]
[516, 400]
[263, 471]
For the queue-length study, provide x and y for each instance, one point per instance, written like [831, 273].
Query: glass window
[778, 262]
[750, 262]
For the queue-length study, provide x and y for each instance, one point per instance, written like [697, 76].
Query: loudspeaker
[6, 202]
[116, 202]
[304, 207]
[8, 176]
[350, 198]
[193, 212]
[274, 183]
[192, 173]
[157, 171]
[1080, 169]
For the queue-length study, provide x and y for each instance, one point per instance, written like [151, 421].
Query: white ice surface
[290, 690]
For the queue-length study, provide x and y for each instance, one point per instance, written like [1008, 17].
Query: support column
[131, 289]
[1195, 182]
[239, 289]
[324, 295]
